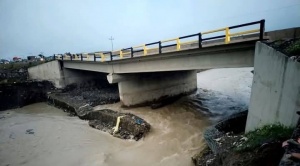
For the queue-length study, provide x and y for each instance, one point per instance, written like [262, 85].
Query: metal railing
[177, 43]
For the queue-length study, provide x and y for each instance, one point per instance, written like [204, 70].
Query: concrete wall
[284, 33]
[275, 95]
[148, 87]
[50, 71]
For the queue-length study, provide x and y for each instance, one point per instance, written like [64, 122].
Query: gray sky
[28, 27]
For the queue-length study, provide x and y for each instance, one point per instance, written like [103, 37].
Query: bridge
[166, 68]
[227, 50]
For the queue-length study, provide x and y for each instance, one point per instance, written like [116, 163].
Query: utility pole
[112, 44]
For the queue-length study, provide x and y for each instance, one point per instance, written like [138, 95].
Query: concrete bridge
[148, 72]
[145, 74]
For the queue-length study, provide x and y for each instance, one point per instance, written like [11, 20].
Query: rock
[236, 123]
[12, 135]
[130, 126]
[29, 131]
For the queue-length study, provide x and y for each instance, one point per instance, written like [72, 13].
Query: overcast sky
[28, 27]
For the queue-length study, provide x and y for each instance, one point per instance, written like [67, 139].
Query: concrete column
[143, 88]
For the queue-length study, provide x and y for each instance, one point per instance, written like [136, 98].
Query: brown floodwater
[42, 135]
[58, 139]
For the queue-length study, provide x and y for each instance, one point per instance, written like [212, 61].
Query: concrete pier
[145, 88]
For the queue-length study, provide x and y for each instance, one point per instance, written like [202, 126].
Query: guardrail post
[111, 58]
[121, 54]
[159, 47]
[145, 49]
[102, 57]
[81, 57]
[227, 36]
[131, 49]
[200, 40]
[177, 44]
[94, 57]
[71, 58]
[262, 29]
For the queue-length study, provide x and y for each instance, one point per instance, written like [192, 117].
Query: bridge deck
[164, 46]
[229, 50]
[240, 54]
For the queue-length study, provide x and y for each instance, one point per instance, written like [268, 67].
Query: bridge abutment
[275, 94]
[145, 88]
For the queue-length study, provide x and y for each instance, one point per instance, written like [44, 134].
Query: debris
[29, 131]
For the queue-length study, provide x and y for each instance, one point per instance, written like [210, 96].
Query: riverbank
[19, 94]
[260, 147]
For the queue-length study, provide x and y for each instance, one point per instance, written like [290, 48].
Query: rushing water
[40, 134]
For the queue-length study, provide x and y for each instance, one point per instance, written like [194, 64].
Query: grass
[265, 134]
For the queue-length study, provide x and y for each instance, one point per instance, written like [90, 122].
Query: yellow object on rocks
[116, 128]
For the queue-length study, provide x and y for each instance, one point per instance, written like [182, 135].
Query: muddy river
[41, 135]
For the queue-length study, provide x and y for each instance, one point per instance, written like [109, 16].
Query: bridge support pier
[145, 88]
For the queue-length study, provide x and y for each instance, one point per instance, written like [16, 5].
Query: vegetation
[293, 48]
[19, 65]
[288, 47]
[265, 134]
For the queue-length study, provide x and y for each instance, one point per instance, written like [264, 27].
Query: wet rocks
[235, 124]
[74, 107]
[95, 92]
[128, 127]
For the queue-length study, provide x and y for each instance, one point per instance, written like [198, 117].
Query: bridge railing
[161, 45]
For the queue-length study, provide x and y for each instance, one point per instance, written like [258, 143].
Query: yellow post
[178, 44]
[116, 128]
[102, 57]
[227, 35]
[145, 50]
[121, 54]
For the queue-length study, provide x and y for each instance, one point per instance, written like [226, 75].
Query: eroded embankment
[227, 145]
[19, 94]
[121, 125]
